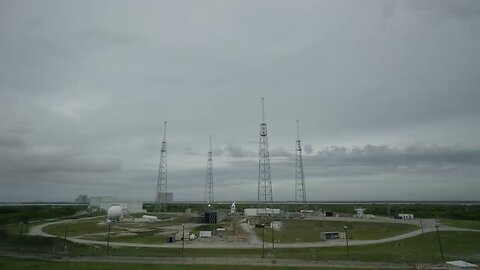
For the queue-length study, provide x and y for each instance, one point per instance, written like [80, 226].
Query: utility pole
[439, 243]
[65, 238]
[346, 238]
[263, 240]
[161, 191]
[108, 238]
[183, 240]
[265, 195]
[273, 240]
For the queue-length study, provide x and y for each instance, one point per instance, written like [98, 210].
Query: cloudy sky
[387, 94]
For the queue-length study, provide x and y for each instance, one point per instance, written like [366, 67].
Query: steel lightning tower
[161, 192]
[209, 180]
[265, 194]
[300, 195]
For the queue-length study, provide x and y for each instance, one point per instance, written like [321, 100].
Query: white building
[255, 212]
[360, 212]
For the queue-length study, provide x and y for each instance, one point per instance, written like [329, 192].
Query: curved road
[428, 226]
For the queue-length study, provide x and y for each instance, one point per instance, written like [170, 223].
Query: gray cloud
[236, 150]
[388, 155]
[348, 164]
[104, 35]
[280, 152]
[85, 88]
[19, 158]
[11, 142]
[462, 9]
[308, 148]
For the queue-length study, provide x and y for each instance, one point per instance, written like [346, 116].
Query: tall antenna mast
[209, 180]
[300, 194]
[298, 132]
[265, 195]
[161, 191]
[263, 110]
[165, 131]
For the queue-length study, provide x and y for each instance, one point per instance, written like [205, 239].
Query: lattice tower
[265, 195]
[300, 193]
[209, 179]
[161, 191]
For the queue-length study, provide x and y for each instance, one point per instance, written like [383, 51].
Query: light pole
[273, 240]
[263, 240]
[108, 238]
[183, 240]
[346, 239]
[421, 224]
[65, 238]
[439, 243]
[262, 225]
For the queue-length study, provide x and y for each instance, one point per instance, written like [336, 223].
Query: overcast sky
[387, 94]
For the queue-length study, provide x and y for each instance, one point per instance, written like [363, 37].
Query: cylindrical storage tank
[114, 213]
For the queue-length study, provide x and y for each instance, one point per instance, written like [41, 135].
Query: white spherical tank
[114, 213]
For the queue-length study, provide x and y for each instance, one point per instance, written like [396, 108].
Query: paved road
[221, 261]
[38, 229]
[428, 226]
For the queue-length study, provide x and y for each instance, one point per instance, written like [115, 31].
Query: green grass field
[19, 228]
[10, 263]
[98, 225]
[293, 230]
[144, 237]
[99, 231]
[309, 230]
[79, 228]
[96, 229]
[468, 224]
[456, 245]
[24, 213]
[423, 248]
